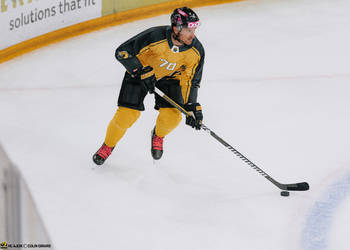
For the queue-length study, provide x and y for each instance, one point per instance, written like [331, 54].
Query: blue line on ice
[320, 218]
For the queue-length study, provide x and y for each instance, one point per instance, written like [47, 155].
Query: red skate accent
[157, 142]
[104, 151]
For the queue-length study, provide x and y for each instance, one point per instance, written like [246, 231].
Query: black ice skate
[157, 145]
[102, 154]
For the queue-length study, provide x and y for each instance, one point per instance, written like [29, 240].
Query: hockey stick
[301, 186]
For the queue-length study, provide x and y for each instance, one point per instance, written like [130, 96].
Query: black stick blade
[302, 186]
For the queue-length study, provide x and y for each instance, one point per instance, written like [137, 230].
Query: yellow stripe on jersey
[186, 95]
[189, 84]
[195, 50]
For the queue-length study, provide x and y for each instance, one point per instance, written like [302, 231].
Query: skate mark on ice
[320, 218]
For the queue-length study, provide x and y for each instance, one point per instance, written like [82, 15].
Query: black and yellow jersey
[154, 47]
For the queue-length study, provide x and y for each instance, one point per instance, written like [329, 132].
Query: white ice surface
[275, 86]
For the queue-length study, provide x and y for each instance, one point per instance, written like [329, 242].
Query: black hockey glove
[196, 110]
[148, 78]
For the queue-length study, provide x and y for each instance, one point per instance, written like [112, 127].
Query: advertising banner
[21, 20]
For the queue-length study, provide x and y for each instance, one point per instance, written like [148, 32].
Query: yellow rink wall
[114, 12]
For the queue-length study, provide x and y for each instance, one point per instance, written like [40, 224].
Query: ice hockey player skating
[170, 58]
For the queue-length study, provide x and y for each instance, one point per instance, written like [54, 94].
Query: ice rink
[275, 86]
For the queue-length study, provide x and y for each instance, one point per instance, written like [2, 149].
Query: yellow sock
[123, 119]
[167, 120]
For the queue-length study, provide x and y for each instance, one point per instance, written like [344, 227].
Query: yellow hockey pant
[167, 120]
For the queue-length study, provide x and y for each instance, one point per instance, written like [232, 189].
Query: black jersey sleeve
[126, 52]
[196, 80]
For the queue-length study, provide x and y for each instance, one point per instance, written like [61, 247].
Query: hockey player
[170, 58]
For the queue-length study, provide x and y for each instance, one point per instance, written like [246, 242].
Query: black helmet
[184, 18]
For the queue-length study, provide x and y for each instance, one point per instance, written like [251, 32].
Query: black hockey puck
[284, 193]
